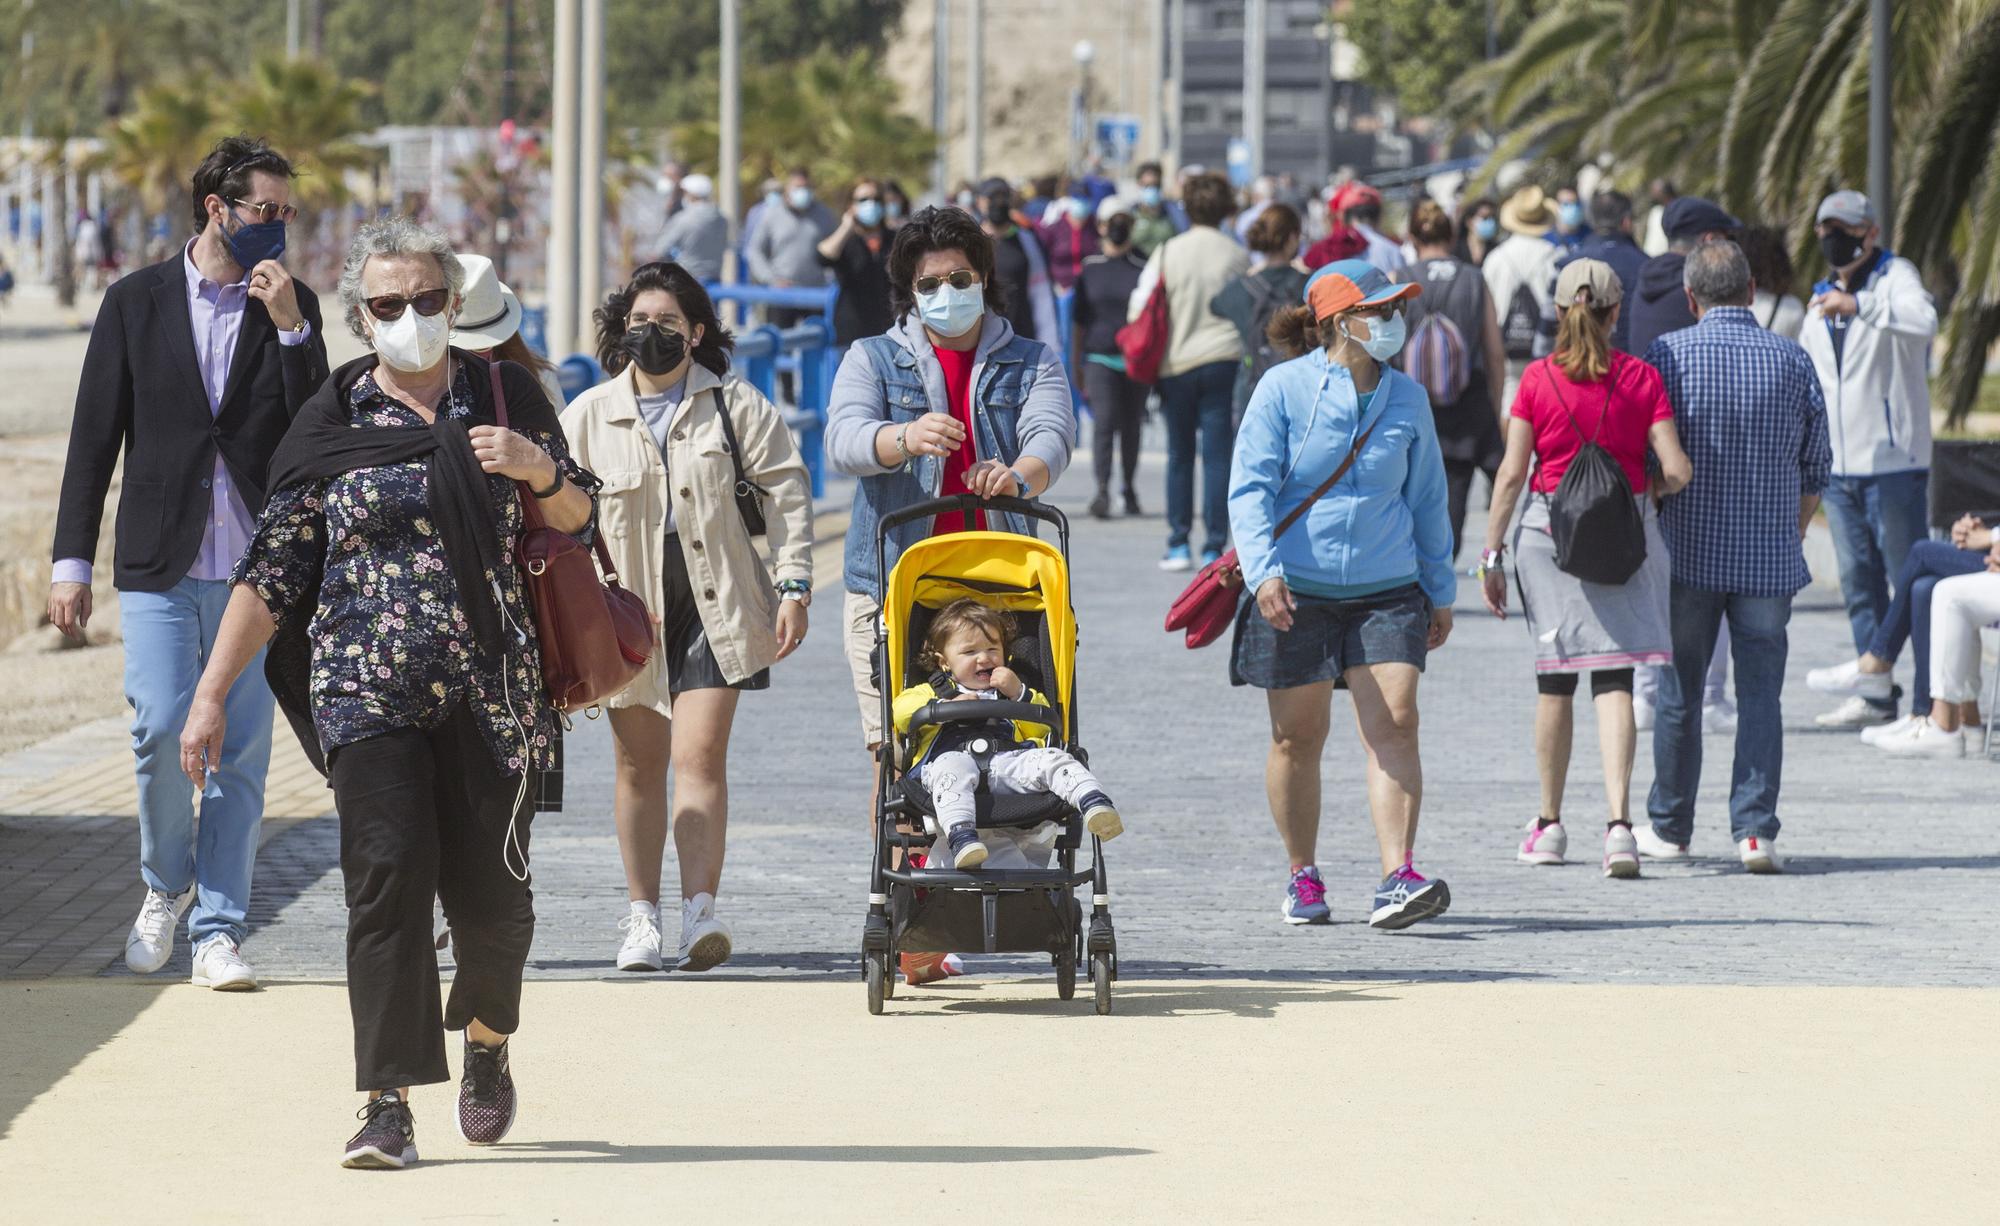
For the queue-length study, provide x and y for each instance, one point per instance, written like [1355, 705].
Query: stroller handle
[972, 502]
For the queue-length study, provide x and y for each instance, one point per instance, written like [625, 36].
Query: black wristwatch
[555, 487]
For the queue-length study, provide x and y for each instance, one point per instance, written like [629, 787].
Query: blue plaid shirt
[1753, 422]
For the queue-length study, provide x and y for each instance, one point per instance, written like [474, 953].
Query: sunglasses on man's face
[269, 211]
[964, 278]
[390, 307]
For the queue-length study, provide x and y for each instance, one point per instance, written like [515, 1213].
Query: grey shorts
[1328, 637]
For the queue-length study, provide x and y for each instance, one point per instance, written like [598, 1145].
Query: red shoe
[920, 969]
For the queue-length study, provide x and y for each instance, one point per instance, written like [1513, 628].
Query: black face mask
[655, 349]
[1840, 248]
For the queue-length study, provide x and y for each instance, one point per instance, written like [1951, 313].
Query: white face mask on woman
[412, 342]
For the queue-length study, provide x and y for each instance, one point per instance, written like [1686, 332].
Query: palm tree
[152, 148]
[310, 115]
[1950, 210]
[827, 112]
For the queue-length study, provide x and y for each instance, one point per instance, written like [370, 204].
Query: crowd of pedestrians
[342, 544]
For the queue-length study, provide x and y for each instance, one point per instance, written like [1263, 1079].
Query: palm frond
[1791, 142]
[1762, 91]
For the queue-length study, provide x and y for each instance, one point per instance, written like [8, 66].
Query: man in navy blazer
[195, 368]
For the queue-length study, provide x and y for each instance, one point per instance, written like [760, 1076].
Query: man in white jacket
[1868, 330]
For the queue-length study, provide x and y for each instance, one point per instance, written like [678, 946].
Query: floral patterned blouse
[391, 645]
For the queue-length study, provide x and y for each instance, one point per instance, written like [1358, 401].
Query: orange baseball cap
[1346, 284]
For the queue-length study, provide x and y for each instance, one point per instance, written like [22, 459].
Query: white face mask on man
[412, 342]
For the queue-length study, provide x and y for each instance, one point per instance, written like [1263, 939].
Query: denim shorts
[1328, 637]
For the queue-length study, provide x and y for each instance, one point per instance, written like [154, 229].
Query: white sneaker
[1652, 846]
[1849, 679]
[1923, 740]
[1621, 852]
[1874, 735]
[1856, 712]
[704, 938]
[151, 941]
[219, 965]
[641, 950]
[1719, 717]
[1760, 855]
[1542, 844]
[1642, 714]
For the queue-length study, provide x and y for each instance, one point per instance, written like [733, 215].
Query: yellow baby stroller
[1029, 908]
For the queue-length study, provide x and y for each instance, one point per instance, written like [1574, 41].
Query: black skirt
[690, 660]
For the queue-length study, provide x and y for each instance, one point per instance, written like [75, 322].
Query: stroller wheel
[1100, 979]
[876, 969]
[1066, 975]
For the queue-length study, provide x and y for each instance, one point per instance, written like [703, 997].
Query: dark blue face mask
[253, 243]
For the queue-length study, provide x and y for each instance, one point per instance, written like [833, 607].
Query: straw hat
[1527, 212]
[491, 312]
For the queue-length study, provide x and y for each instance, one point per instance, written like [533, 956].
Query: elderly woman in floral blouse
[405, 655]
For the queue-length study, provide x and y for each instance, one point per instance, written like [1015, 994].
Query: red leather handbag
[1208, 605]
[1144, 340]
[595, 636]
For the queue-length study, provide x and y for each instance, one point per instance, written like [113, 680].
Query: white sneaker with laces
[1719, 717]
[219, 965]
[1621, 852]
[1848, 678]
[1875, 735]
[1760, 855]
[1923, 740]
[1653, 847]
[704, 938]
[641, 950]
[151, 941]
[1856, 712]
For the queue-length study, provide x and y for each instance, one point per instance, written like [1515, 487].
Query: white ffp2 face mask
[412, 342]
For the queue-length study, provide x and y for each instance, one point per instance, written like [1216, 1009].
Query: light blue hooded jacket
[1385, 524]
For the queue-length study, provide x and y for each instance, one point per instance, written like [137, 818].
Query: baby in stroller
[967, 647]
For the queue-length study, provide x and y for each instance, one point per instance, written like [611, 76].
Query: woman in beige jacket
[665, 433]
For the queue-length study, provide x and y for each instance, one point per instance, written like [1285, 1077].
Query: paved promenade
[1695, 1045]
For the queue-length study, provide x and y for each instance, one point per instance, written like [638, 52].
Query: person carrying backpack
[1519, 272]
[1274, 283]
[1589, 558]
[1454, 352]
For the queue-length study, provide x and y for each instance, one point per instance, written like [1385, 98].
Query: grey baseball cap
[1848, 207]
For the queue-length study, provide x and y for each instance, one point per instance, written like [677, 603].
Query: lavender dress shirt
[216, 312]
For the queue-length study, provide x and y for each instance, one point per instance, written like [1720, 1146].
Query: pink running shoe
[1543, 844]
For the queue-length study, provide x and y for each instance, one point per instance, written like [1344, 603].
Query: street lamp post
[940, 96]
[590, 175]
[1085, 52]
[561, 332]
[729, 154]
[1254, 48]
[975, 89]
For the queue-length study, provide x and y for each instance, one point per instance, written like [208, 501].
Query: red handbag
[595, 636]
[1144, 340]
[1208, 605]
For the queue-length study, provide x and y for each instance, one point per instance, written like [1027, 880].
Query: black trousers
[1458, 491]
[423, 814]
[1118, 407]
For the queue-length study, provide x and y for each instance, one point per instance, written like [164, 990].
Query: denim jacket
[1021, 402]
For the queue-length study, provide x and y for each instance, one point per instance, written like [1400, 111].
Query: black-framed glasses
[963, 278]
[390, 307]
[269, 211]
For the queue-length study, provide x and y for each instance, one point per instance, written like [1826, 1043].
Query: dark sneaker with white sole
[1406, 897]
[388, 1137]
[485, 1095]
[967, 852]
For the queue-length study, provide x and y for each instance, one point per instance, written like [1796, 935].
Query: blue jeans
[1875, 520]
[1197, 402]
[1909, 616]
[168, 636]
[1758, 644]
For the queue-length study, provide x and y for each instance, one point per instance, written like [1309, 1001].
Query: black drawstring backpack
[1599, 533]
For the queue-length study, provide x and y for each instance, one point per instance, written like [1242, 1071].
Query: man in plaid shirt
[1752, 419]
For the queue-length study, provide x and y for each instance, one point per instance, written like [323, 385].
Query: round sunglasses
[963, 278]
[390, 307]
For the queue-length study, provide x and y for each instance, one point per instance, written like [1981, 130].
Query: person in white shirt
[1868, 330]
[1520, 278]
